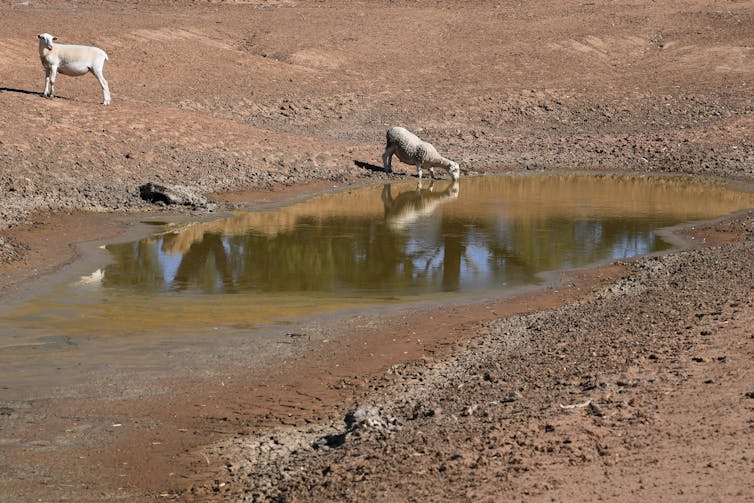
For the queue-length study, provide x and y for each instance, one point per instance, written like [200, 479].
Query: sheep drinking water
[72, 60]
[410, 149]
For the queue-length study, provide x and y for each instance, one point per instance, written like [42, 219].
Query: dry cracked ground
[632, 381]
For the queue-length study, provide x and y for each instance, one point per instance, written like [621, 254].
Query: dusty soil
[632, 381]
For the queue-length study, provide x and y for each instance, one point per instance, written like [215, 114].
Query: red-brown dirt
[631, 381]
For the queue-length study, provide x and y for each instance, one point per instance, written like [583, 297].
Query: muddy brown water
[193, 286]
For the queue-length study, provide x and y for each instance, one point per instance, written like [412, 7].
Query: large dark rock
[172, 195]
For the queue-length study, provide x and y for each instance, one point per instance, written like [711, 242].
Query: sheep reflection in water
[409, 206]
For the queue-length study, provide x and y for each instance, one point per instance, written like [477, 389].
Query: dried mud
[628, 382]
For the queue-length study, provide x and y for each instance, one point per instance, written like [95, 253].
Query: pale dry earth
[629, 382]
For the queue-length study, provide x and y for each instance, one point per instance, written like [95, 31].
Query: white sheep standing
[410, 149]
[72, 60]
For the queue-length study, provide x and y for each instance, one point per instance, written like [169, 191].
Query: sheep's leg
[97, 71]
[419, 169]
[386, 196]
[387, 159]
[46, 92]
[432, 172]
[53, 75]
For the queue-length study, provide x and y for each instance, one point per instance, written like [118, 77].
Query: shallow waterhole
[392, 244]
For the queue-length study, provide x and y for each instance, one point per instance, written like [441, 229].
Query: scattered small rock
[511, 397]
[470, 410]
[363, 419]
[595, 410]
[370, 418]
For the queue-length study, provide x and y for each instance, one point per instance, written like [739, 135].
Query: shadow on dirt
[379, 169]
[370, 167]
[32, 93]
[22, 91]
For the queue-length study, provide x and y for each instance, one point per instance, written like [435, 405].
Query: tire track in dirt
[605, 49]
[719, 58]
[14, 52]
[166, 34]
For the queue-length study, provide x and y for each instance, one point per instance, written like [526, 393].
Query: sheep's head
[45, 39]
[455, 171]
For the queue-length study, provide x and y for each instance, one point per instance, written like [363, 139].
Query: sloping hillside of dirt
[630, 383]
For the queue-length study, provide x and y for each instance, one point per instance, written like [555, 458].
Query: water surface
[387, 244]
[390, 242]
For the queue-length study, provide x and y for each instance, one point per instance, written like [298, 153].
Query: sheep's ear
[39, 35]
[54, 38]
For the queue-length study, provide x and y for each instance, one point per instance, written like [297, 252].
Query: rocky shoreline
[578, 387]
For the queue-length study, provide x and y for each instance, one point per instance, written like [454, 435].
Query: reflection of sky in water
[627, 247]
[430, 254]
[402, 240]
[475, 265]
[169, 263]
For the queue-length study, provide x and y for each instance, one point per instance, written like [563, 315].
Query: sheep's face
[455, 171]
[46, 40]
